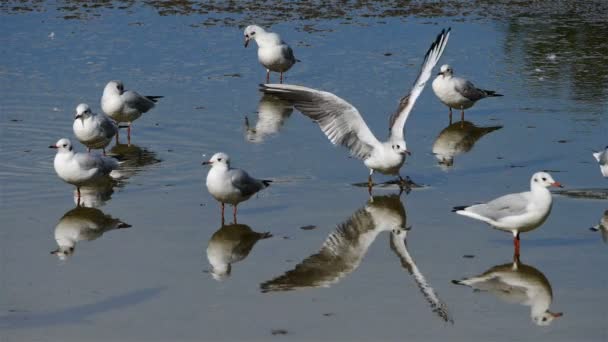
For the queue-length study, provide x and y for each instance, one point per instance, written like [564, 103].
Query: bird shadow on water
[79, 314]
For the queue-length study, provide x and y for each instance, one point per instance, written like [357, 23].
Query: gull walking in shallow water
[456, 92]
[273, 53]
[229, 185]
[125, 105]
[80, 168]
[343, 125]
[515, 213]
[93, 130]
[602, 158]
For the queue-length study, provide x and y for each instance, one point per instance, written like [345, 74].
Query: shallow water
[154, 281]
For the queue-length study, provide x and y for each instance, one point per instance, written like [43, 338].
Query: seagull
[456, 92]
[231, 244]
[602, 158]
[515, 213]
[273, 53]
[80, 224]
[343, 125]
[80, 168]
[517, 283]
[602, 227]
[458, 138]
[229, 185]
[125, 105]
[344, 248]
[272, 113]
[93, 130]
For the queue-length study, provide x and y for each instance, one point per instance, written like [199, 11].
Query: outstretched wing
[340, 255]
[339, 120]
[437, 305]
[406, 103]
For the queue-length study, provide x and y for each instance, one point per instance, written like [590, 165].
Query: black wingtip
[462, 207]
[456, 282]
[266, 182]
[154, 98]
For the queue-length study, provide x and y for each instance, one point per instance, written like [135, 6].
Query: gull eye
[219, 159]
[65, 145]
[544, 179]
[544, 319]
[253, 33]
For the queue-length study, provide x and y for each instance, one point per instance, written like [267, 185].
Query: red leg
[516, 244]
[234, 213]
[104, 151]
[117, 131]
[267, 76]
[89, 149]
[129, 134]
[450, 115]
[462, 115]
[281, 78]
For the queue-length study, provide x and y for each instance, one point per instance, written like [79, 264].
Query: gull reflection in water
[602, 227]
[80, 224]
[272, 113]
[517, 283]
[132, 159]
[96, 194]
[345, 248]
[231, 244]
[458, 138]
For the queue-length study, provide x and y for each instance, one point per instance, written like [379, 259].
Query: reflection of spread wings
[437, 306]
[341, 254]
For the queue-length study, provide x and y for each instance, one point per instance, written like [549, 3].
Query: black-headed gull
[602, 158]
[458, 138]
[125, 105]
[343, 125]
[80, 168]
[229, 185]
[273, 53]
[80, 224]
[344, 248]
[456, 92]
[272, 113]
[602, 227]
[231, 244]
[93, 130]
[517, 283]
[519, 212]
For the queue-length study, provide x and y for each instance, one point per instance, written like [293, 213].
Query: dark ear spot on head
[536, 180]
[70, 148]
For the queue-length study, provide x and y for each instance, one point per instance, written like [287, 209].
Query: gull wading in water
[602, 158]
[456, 92]
[95, 131]
[125, 105]
[273, 53]
[515, 213]
[80, 168]
[343, 125]
[229, 185]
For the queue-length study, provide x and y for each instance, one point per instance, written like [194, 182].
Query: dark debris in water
[309, 227]
[279, 332]
[563, 141]
[241, 13]
[599, 194]
[389, 184]
[468, 256]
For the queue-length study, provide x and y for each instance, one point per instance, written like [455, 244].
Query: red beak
[556, 314]
[206, 163]
[557, 185]
[53, 146]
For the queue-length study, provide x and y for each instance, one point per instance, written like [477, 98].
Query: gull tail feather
[154, 98]
[266, 182]
[491, 93]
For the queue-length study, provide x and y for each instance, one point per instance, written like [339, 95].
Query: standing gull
[229, 185]
[93, 130]
[456, 92]
[273, 53]
[602, 158]
[125, 105]
[602, 227]
[515, 213]
[80, 168]
[343, 125]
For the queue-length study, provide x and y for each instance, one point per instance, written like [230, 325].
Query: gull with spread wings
[343, 124]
